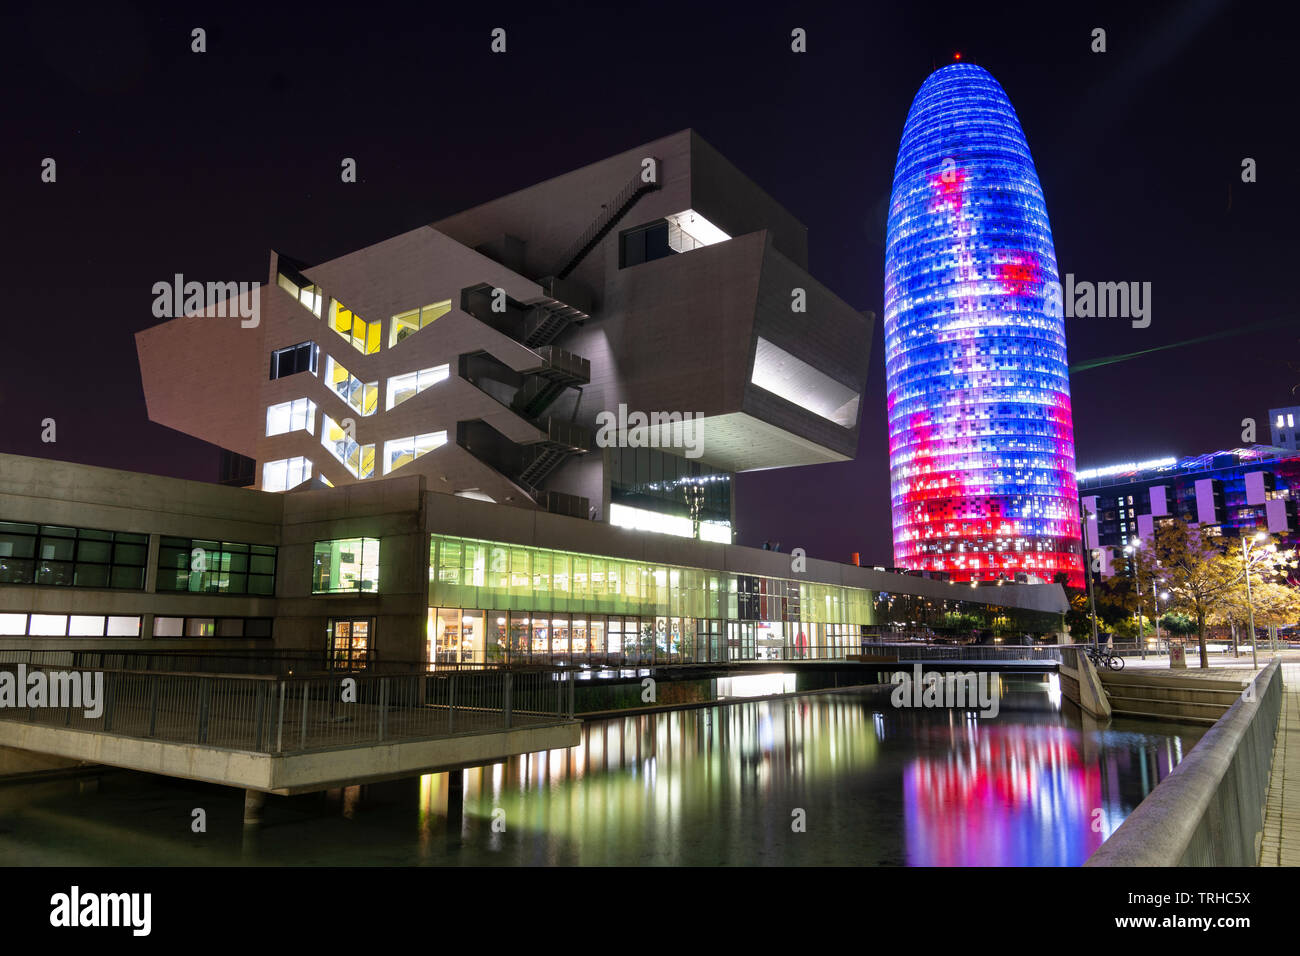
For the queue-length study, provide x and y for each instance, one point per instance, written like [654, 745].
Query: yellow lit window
[406, 324]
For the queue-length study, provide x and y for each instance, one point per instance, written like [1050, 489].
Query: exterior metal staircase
[613, 211]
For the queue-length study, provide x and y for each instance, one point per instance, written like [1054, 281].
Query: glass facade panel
[215, 567]
[982, 466]
[71, 557]
[285, 474]
[552, 605]
[406, 324]
[346, 565]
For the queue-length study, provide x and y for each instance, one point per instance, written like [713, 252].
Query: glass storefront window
[667, 612]
[497, 642]
[518, 637]
[473, 638]
[559, 638]
[446, 635]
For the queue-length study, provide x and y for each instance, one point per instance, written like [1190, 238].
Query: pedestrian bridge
[285, 734]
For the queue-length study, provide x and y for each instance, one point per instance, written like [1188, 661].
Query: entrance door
[350, 642]
[741, 641]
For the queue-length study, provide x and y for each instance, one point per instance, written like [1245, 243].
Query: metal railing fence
[276, 714]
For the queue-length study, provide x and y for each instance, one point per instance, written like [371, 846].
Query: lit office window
[362, 335]
[359, 460]
[285, 474]
[362, 396]
[308, 296]
[408, 323]
[123, 626]
[346, 565]
[48, 625]
[402, 387]
[86, 625]
[642, 519]
[404, 450]
[298, 415]
[287, 284]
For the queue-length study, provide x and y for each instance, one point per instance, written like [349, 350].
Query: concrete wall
[41, 491]
[388, 510]
[1210, 810]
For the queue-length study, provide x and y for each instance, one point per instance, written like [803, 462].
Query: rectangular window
[303, 357]
[285, 474]
[71, 557]
[298, 415]
[346, 565]
[86, 625]
[215, 567]
[402, 387]
[121, 626]
[48, 625]
[645, 244]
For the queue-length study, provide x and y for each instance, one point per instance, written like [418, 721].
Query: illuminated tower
[981, 441]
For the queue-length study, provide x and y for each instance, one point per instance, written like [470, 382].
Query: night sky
[171, 161]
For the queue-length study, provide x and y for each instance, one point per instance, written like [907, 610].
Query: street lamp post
[1250, 607]
[1132, 549]
[1155, 602]
[1087, 570]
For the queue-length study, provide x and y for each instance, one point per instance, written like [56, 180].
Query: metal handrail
[610, 213]
[294, 714]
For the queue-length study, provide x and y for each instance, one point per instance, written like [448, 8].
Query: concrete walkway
[1281, 846]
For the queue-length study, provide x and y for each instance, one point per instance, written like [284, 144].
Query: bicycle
[1101, 657]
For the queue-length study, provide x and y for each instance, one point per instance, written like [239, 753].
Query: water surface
[819, 779]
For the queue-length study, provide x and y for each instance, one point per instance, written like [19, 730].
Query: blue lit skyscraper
[981, 440]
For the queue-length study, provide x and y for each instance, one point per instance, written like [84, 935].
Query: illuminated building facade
[395, 571]
[521, 352]
[1233, 492]
[431, 485]
[981, 439]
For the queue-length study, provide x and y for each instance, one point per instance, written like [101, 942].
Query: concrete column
[151, 568]
[253, 800]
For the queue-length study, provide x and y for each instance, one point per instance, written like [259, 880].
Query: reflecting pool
[841, 778]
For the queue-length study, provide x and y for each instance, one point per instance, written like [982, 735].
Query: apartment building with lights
[1234, 492]
[435, 478]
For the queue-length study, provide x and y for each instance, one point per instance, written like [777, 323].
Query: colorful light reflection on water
[718, 785]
